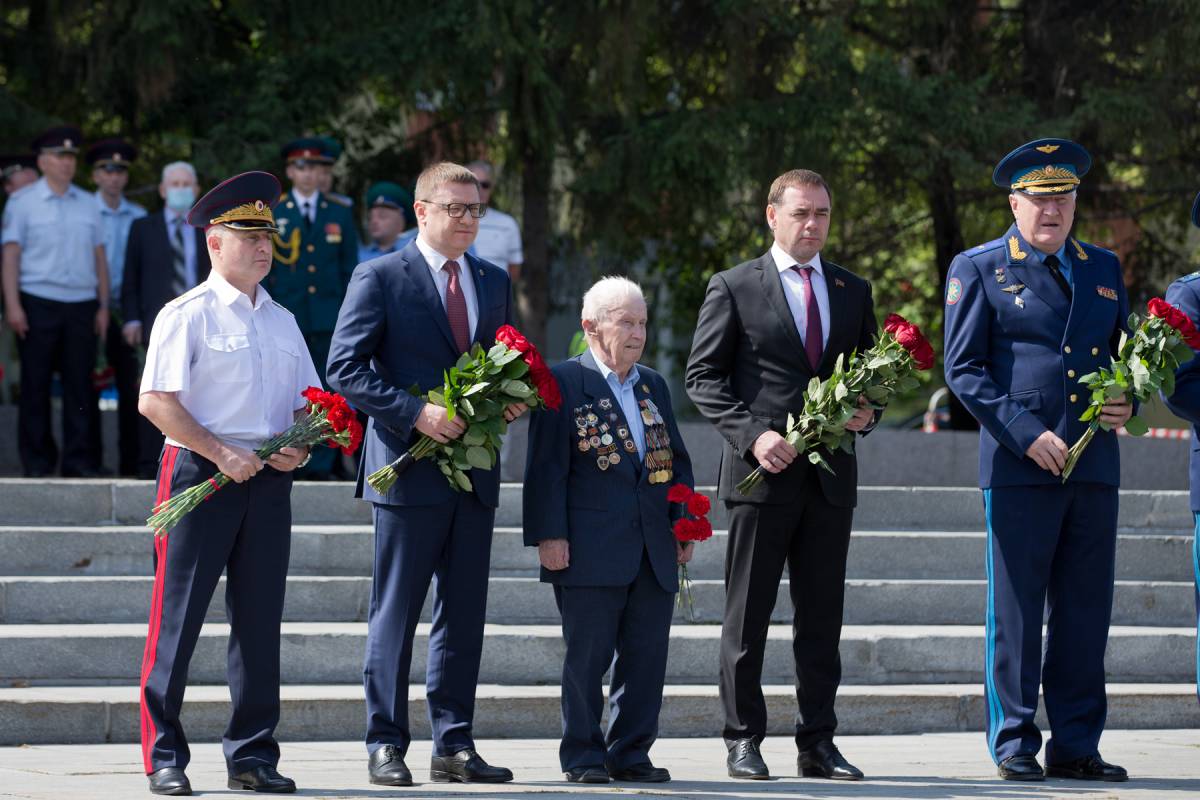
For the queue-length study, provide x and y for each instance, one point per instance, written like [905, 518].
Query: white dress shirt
[441, 279]
[793, 290]
[499, 240]
[307, 206]
[238, 367]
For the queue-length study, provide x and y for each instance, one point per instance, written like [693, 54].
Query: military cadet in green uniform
[316, 250]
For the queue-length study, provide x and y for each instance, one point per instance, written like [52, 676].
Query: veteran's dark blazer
[609, 516]
[150, 269]
[748, 370]
[392, 333]
[1014, 358]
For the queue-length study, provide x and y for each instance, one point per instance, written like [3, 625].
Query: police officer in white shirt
[499, 239]
[225, 370]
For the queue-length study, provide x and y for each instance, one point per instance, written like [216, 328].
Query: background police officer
[316, 250]
[391, 223]
[55, 279]
[225, 370]
[110, 160]
[1026, 315]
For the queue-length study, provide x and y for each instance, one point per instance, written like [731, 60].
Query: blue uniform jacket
[393, 332]
[609, 516]
[1014, 355]
[1185, 295]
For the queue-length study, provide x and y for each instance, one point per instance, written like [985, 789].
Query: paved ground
[1165, 764]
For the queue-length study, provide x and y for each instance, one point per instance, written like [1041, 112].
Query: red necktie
[813, 345]
[456, 309]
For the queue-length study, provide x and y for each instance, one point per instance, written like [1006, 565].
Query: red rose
[1158, 307]
[679, 493]
[894, 322]
[698, 505]
[513, 339]
[544, 380]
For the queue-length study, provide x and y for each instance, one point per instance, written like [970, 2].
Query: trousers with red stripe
[243, 530]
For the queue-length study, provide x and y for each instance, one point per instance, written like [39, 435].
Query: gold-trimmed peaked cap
[242, 203]
[1043, 167]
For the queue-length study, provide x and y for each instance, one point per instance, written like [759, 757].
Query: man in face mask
[163, 259]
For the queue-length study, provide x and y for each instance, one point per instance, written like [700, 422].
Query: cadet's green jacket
[313, 262]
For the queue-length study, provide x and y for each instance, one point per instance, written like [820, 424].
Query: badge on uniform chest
[595, 432]
[333, 233]
[1015, 290]
[659, 458]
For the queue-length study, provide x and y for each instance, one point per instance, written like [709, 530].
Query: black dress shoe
[387, 768]
[169, 780]
[466, 766]
[262, 778]
[1088, 768]
[586, 775]
[641, 773]
[1021, 768]
[745, 761]
[823, 760]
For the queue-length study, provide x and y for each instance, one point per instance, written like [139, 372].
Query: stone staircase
[75, 582]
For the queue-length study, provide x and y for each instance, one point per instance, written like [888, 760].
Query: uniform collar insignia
[1079, 251]
[1015, 253]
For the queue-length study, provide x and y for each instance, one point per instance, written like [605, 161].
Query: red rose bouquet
[1145, 363]
[691, 526]
[326, 419]
[479, 387]
[888, 368]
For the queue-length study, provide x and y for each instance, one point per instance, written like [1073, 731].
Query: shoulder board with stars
[1190, 278]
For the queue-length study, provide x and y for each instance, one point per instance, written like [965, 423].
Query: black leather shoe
[466, 766]
[1021, 768]
[586, 775]
[169, 780]
[264, 779]
[823, 760]
[745, 761]
[1088, 768]
[387, 768]
[641, 773]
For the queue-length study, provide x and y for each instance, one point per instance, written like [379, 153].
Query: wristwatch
[307, 459]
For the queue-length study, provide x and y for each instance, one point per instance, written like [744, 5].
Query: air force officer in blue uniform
[1026, 315]
[1184, 294]
[596, 507]
[407, 317]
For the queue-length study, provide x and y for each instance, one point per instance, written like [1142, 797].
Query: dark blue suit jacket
[1017, 367]
[393, 332]
[1185, 294]
[609, 516]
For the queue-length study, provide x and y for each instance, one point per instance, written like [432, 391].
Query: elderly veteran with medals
[595, 506]
[1026, 315]
[225, 369]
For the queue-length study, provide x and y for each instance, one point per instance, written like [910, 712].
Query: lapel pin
[1020, 301]
[838, 282]
[481, 273]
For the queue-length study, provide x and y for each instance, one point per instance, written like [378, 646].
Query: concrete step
[92, 502]
[319, 652]
[340, 550]
[98, 714]
[523, 600]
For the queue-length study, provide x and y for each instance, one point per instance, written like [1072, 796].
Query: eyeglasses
[456, 210]
[485, 184]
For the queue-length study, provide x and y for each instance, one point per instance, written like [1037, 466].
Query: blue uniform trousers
[634, 623]
[450, 543]
[244, 530]
[1049, 548]
[1196, 574]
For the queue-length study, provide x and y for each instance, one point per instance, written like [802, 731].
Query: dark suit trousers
[812, 538]
[244, 530]
[61, 338]
[634, 623]
[123, 360]
[449, 543]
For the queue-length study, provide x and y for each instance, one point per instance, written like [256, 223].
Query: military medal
[602, 462]
[1020, 301]
[658, 459]
[1001, 277]
[606, 438]
[595, 440]
[605, 403]
[615, 458]
[630, 447]
[584, 445]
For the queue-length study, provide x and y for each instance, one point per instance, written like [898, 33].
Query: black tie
[1056, 273]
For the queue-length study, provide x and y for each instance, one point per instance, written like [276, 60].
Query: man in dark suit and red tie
[407, 317]
[766, 328]
[164, 257]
